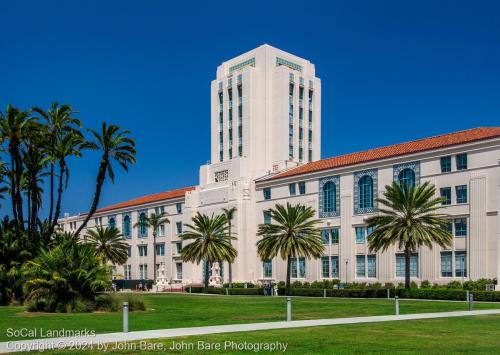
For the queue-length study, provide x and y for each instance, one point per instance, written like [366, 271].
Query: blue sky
[391, 71]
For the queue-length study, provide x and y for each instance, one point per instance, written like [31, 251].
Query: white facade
[266, 144]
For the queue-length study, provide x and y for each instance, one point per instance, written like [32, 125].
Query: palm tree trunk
[207, 264]
[288, 274]
[407, 268]
[18, 198]
[101, 175]
[13, 192]
[62, 167]
[51, 206]
[229, 265]
[154, 258]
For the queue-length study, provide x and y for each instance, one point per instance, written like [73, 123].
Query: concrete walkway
[93, 342]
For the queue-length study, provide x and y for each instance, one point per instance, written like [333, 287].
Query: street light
[346, 269]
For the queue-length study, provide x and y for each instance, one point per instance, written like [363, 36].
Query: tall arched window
[142, 224]
[126, 226]
[329, 192]
[111, 222]
[365, 192]
[406, 178]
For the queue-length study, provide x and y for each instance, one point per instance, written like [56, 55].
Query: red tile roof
[149, 199]
[420, 145]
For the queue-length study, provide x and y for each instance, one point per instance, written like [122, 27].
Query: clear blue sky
[391, 71]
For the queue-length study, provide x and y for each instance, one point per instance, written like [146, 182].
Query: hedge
[231, 291]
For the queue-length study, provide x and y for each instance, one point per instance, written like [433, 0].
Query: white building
[265, 130]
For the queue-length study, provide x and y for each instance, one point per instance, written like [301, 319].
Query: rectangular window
[143, 250]
[291, 188]
[335, 267]
[143, 271]
[325, 267]
[325, 236]
[128, 272]
[461, 227]
[129, 251]
[446, 267]
[161, 230]
[267, 193]
[178, 267]
[178, 207]
[298, 270]
[360, 235]
[178, 247]
[267, 217]
[372, 265]
[335, 235]
[461, 161]
[445, 164]
[446, 195]
[302, 187]
[267, 268]
[400, 265]
[360, 266]
[178, 226]
[369, 230]
[461, 192]
[460, 264]
[160, 249]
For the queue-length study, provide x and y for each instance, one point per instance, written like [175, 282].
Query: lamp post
[346, 269]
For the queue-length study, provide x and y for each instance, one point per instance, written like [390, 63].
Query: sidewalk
[88, 342]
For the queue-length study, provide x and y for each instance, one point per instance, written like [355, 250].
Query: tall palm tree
[293, 235]
[114, 144]
[154, 221]
[109, 245]
[410, 220]
[229, 213]
[210, 242]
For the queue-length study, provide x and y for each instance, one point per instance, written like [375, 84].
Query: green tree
[410, 220]
[109, 245]
[210, 242]
[115, 145]
[229, 213]
[292, 235]
[154, 221]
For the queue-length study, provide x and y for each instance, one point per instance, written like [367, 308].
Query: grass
[175, 311]
[467, 335]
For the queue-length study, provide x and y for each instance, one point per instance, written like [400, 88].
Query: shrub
[425, 284]
[135, 302]
[388, 285]
[108, 303]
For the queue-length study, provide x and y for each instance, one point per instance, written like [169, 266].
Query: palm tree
[409, 220]
[154, 221]
[109, 245]
[114, 144]
[210, 241]
[294, 235]
[229, 213]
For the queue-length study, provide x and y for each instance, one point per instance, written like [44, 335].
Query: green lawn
[474, 335]
[174, 311]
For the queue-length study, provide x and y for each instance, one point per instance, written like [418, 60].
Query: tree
[109, 245]
[229, 213]
[154, 221]
[114, 144]
[293, 235]
[409, 220]
[210, 242]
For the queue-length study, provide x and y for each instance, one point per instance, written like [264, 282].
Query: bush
[425, 284]
[456, 285]
[231, 291]
[240, 285]
[108, 303]
[135, 302]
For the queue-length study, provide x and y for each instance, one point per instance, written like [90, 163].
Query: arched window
[111, 223]
[365, 192]
[406, 178]
[142, 224]
[329, 201]
[126, 226]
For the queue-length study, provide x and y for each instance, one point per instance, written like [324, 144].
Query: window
[298, 271]
[178, 247]
[143, 271]
[461, 161]
[291, 188]
[335, 267]
[325, 267]
[267, 268]
[460, 264]
[159, 210]
[335, 235]
[129, 251]
[161, 230]
[267, 217]
[302, 187]
[127, 272]
[143, 226]
[219, 176]
[325, 236]
[365, 192]
[143, 250]
[267, 193]
[329, 201]
[446, 195]
[178, 267]
[461, 192]
[369, 230]
[360, 235]
[178, 207]
[178, 226]
[446, 267]
[360, 266]
[445, 164]
[406, 178]
[449, 227]
[111, 222]
[400, 265]
[372, 265]
[160, 249]
[461, 227]
[126, 226]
